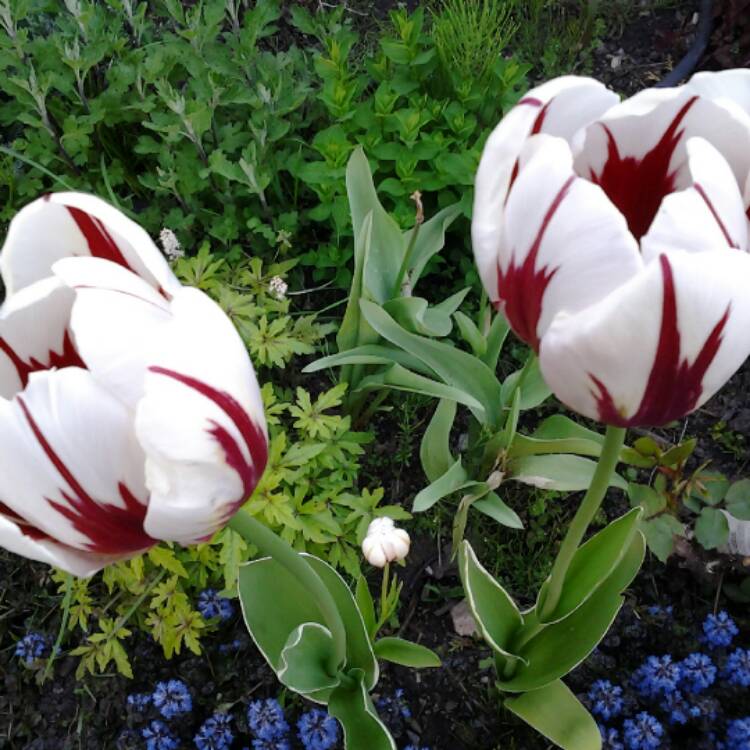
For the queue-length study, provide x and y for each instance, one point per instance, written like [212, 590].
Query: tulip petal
[20, 539]
[637, 150]
[658, 347]
[34, 334]
[706, 216]
[117, 321]
[731, 88]
[200, 422]
[70, 464]
[564, 245]
[61, 225]
[561, 107]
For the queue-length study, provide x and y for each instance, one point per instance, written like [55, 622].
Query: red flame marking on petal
[530, 101]
[521, 288]
[100, 241]
[699, 189]
[638, 186]
[674, 386]
[69, 357]
[111, 530]
[254, 438]
[26, 528]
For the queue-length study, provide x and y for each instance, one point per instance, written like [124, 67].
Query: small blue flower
[31, 647]
[737, 667]
[719, 630]
[393, 708]
[642, 733]
[658, 675]
[266, 719]
[271, 743]
[172, 698]
[678, 710]
[610, 738]
[606, 699]
[738, 734]
[139, 701]
[210, 604]
[214, 733]
[698, 673]
[158, 737]
[415, 747]
[231, 647]
[317, 730]
[656, 610]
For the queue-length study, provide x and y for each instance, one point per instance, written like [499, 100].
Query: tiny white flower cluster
[277, 286]
[384, 542]
[170, 244]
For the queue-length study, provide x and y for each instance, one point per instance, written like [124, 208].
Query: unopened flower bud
[384, 542]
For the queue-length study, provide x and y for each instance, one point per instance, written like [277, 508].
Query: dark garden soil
[454, 707]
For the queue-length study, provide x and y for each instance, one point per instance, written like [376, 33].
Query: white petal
[658, 347]
[564, 244]
[117, 321]
[70, 464]
[727, 87]
[561, 107]
[34, 334]
[21, 540]
[637, 151]
[201, 423]
[708, 215]
[61, 225]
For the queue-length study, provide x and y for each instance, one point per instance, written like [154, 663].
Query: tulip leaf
[470, 334]
[401, 379]
[350, 703]
[370, 354]
[363, 597]
[495, 508]
[478, 490]
[592, 564]
[454, 367]
[534, 391]
[304, 659]
[495, 613]
[414, 314]
[498, 332]
[430, 240]
[558, 426]
[558, 648]
[434, 451]
[406, 653]
[555, 712]
[453, 480]
[558, 472]
[511, 421]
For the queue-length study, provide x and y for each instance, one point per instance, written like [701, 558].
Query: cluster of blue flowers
[215, 733]
[32, 646]
[172, 698]
[210, 604]
[675, 693]
[158, 736]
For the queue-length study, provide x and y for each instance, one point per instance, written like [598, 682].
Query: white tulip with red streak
[129, 409]
[614, 237]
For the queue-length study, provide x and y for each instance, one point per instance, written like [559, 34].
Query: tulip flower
[385, 543]
[614, 237]
[129, 409]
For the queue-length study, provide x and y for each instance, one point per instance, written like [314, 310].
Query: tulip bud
[384, 543]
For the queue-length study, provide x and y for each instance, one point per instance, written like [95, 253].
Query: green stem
[405, 264]
[613, 441]
[274, 546]
[63, 626]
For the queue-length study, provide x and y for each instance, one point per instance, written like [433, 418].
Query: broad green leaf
[495, 339]
[560, 647]
[406, 653]
[363, 597]
[303, 665]
[716, 487]
[558, 426]
[414, 314]
[430, 240]
[555, 712]
[531, 446]
[738, 500]
[564, 473]
[370, 354]
[401, 379]
[660, 533]
[491, 505]
[641, 495]
[477, 491]
[495, 613]
[455, 367]
[534, 391]
[511, 421]
[450, 304]
[712, 528]
[592, 564]
[470, 334]
[351, 705]
[678, 453]
[453, 480]
[434, 450]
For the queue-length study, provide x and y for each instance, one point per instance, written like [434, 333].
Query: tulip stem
[67, 600]
[272, 545]
[592, 500]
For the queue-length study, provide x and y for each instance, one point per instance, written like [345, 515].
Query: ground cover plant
[313, 176]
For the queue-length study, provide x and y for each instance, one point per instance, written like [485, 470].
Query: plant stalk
[592, 500]
[274, 546]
